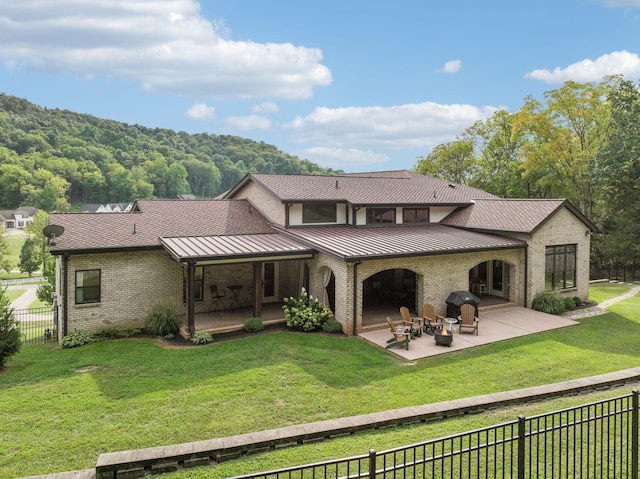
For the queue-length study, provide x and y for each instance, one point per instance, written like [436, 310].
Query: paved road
[26, 298]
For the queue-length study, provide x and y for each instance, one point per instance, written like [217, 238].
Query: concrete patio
[495, 325]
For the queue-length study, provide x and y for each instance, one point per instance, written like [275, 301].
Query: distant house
[363, 243]
[107, 207]
[19, 218]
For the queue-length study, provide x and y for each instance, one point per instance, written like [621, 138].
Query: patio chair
[415, 324]
[430, 317]
[468, 321]
[401, 335]
[217, 298]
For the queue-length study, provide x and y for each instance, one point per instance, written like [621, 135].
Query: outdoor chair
[401, 335]
[217, 298]
[430, 317]
[468, 321]
[415, 324]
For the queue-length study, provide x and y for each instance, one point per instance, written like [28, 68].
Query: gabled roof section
[350, 243]
[401, 187]
[510, 215]
[150, 220]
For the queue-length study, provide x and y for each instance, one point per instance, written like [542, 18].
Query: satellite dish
[51, 232]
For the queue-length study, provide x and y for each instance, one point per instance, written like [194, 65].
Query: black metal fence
[37, 325]
[616, 271]
[597, 440]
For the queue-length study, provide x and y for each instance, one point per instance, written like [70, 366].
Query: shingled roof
[510, 215]
[150, 220]
[401, 187]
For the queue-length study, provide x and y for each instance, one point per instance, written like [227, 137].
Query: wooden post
[257, 290]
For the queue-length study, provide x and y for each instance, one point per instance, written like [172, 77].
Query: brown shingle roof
[153, 219]
[381, 188]
[349, 242]
[509, 215]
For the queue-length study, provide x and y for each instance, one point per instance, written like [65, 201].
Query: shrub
[10, 341]
[548, 303]
[253, 324]
[76, 339]
[162, 320]
[305, 312]
[113, 333]
[569, 303]
[202, 338]
[332, 326]
[577, 301]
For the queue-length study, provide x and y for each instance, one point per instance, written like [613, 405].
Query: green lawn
[62, 408]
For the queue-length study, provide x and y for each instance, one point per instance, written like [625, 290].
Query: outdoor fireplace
[442, 337]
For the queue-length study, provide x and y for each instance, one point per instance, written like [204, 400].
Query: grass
[62, 408]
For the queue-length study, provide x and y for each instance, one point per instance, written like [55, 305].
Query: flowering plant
[305, 312]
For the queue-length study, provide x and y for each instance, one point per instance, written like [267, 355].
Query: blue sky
[351, 84]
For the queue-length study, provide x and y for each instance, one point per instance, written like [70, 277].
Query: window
[560, 267]
[198, 283]
[88, 286]
[381, 215]
[319, 213]
[415, 215]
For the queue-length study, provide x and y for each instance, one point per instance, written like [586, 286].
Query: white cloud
[341, 158]
[452, 66]
[249, 122]
[623, 62]
[622, 3]
[201, 111]
[165, 46]
[264, 108]
[404, 126]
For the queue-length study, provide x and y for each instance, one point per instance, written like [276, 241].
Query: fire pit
[442, 337]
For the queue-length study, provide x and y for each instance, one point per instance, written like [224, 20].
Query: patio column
[191, 297]
[257, 290]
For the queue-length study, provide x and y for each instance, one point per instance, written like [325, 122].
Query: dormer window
[415, 215]
[381, 216]
[319, 213]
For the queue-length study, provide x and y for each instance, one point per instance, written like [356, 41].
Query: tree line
[51, 159]
[581, 143]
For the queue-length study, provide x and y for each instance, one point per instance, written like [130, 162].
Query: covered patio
[494, 325]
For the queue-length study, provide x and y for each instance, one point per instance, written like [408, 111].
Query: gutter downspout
[355, 296]
[526, 276]
[65, 290]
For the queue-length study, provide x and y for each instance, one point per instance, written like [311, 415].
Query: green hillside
[52, 158]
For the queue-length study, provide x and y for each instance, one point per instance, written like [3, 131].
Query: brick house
[364, 243]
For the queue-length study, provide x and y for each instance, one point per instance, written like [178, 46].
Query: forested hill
[52, 158]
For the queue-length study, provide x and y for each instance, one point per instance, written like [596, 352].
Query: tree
[10, 341]
[619, 169]
[5, 264]
[454, 161]
[29, 256]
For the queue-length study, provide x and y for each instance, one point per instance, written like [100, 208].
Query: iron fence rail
[36, 325]
[597, 440]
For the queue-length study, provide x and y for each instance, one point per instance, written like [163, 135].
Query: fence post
[521, 448]
[372, 464]
[634, 435]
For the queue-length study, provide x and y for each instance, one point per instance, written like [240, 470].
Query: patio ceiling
[235, 248]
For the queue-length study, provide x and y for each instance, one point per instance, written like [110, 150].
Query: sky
[357, 85]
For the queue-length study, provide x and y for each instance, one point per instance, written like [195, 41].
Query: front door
[269, 282]
[496, 278]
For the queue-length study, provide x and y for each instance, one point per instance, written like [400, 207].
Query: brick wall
[267, 203]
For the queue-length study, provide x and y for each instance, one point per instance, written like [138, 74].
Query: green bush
[305, 312]
[10, 341]
[252, 325]
[549, 303]
[569, 303]
[577, 301]
[113, 333]
[332, 326]
[162, 320]
[76, 339]
[202, 338]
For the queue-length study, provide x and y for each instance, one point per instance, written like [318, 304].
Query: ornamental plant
[305, 312]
